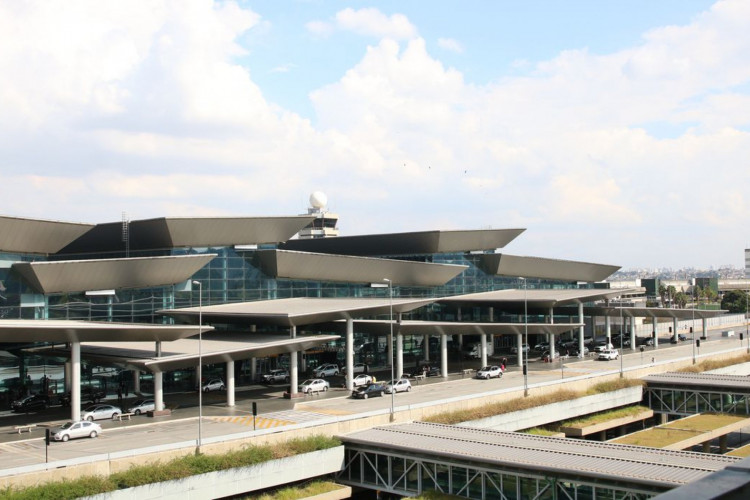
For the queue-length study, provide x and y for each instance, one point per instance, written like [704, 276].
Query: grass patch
[658, 437]
[524, 403]
[715, 364]
[605, 416]
[295, 492]
[704, 422]
[541, 431]
[178, 468]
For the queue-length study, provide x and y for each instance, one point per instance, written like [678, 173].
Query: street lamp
[200, 361]
[622, 333]
[525, 356]
[692, 327]
[393, 381]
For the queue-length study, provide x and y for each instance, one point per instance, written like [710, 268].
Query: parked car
[542, 346]
[609, 354]
[603, 347]
[647, 341]
[361, 380]
[429, 371]
[326, 370]
[400, 385]
[214, 384]
[680, 338]
[99, 412]
[369, 391]
[514, 349]
[273, 376]
[142, 406]
[33, 402]
[574, 351]
[313, 385]
[546, 357]
[72, 430]
[358, 368]
[488, 372]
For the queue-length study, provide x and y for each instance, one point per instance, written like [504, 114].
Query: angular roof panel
[37, 236]
[28, 330]
[538, 267]
[412, 243]
[349, 269]
[544, 298]
[106, 274]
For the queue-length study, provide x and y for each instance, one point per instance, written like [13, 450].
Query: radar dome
[318, 200]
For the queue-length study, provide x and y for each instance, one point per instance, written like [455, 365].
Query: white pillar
[389, 341]
[293, 364]
[705, 328]
[492, 314]
[444, 355]
[654, 328]
[580, 330]
[483, 351]
[159, 391]
[68, 373]
[253, 370]
[519, 343]
[674, 330]
[136, 381]
[552, 339]
[349, 353]
[426, 346]
[608, 328]
[633, 347]
[399, 355]
[230, 383]
[75, 381]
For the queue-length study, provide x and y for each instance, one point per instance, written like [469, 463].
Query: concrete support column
[293, 364]
[655, 336]
[633, 347]
[723, 444]
[460, 337]
[136, 381]
[622, 430]
[580, 330]
[519, 344]
[67, 370]
[399, 355]
[444, 355]
[551, 346]
[705, 328]
[603, 436]
[75, 381]
[253, 370]
[483, 351]
[230, 383]
[608, 328]
[663, 418]
[349, 353]
[707, 447]
[159, 391]
[675, 337]
[492, 314]
[426, 346]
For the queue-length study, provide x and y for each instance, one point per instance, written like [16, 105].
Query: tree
[663, 295]
[735, 301]
[681, 300]
[671, 292]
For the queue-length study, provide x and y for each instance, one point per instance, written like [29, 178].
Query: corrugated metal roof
[349, 269]
[700, 380]
[18, 235]
[297, 311]
[106, 274]
[560, 456]
[538, 267]
[411, 243]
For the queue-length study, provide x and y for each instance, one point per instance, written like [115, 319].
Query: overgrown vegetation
[604, 416]
[524, 403]
[174, 469]
[715, 364]
[298, 491]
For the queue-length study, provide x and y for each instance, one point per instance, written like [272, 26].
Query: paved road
[274, 411]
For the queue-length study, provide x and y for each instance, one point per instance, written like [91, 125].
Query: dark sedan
[371, 390]
[30, 403]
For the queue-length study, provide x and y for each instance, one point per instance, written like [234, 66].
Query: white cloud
[450, 45]
[366, 22]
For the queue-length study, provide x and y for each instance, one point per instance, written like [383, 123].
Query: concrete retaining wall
[547, 414]
[237, 481]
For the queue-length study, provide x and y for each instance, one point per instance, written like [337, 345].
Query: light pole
[525, 355]
[747, 321]
[393, 381]
[692, 327]
[622, 333]
[200, 361]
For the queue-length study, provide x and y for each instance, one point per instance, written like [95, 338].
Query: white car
[326, 370]
[142, 406]
[603, 347]
[401, 385]
[72, 430]
[313, 385]
[609, 354]
[488, 372]
[99, 412]
[514, 349]
[358, 368]
[361, 380]
[215, 384]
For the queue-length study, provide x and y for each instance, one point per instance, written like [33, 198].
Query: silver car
[72, 430]
[99, 412]
[401, 385]
[142, 406]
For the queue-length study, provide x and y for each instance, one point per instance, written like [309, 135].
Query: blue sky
[615, 132]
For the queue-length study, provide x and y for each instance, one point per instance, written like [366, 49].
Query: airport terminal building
[123, 304]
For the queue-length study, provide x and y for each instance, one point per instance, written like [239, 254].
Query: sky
[613, 132]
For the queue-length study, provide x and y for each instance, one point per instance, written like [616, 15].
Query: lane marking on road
[260, 422]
